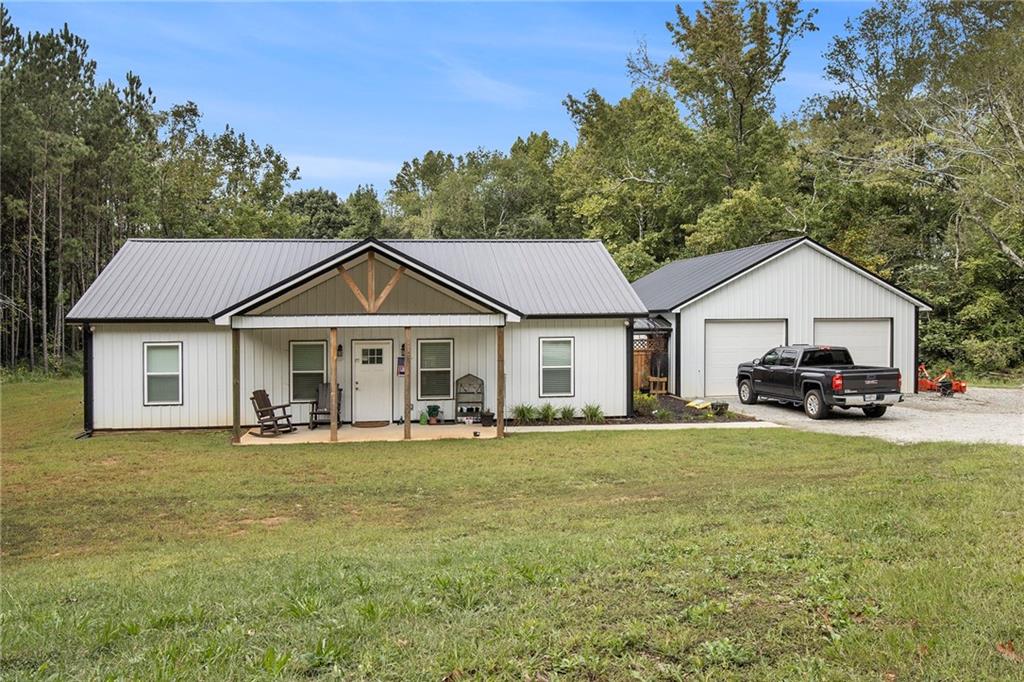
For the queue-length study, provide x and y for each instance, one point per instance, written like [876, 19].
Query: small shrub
[644, 404]
[567, 413]
[547, 413]
[524, 414]
[664, 415]
[593, 414]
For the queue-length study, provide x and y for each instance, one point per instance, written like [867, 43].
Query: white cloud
[341, 168]
[476, 85]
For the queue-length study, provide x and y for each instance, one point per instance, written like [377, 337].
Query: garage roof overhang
[822, 249]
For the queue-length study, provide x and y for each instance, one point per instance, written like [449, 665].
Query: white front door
[372, 364]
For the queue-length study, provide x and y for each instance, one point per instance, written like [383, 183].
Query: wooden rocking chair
[320, 411]
[266, 414]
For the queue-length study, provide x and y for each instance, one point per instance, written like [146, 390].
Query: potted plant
[423, 418]
[486, 418]
[433, 413]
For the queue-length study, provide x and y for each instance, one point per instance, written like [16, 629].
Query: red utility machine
[944, 384]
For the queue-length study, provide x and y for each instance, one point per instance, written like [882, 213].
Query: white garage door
[728, 343]
[867, 339]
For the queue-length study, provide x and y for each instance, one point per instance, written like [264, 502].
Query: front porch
[354, 434]
[387, 354]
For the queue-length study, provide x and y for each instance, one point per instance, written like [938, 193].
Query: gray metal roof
[676, 283]
[651, 324]
[162, 279]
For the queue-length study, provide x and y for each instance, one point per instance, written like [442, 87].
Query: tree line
[912, 165]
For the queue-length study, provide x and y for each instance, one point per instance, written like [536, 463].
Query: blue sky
[349, 91]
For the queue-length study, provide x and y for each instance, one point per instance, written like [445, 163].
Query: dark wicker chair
[267, 415]
[320, 411]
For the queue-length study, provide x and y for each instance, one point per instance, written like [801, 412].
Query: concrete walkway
[669, 426]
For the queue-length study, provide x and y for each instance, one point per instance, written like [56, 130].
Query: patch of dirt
[638, 498]
[108, 462]
[269, 521]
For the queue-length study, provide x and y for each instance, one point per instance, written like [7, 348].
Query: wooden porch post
[499, 407]
[236, 387]
[332, 376]
[407, 386]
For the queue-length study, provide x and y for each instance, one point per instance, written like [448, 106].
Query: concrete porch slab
[391, 432]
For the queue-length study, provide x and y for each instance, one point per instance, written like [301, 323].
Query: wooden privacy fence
[650, 359]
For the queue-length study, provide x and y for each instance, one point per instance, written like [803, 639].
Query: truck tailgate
[870, 381]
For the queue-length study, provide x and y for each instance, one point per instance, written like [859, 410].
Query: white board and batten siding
[599, 368]
[821, 300]
[599, 347]
[118, 376]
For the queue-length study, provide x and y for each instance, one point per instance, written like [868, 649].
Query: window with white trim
[434, 379]
[556, 367]
[308, 368]
[161, 365]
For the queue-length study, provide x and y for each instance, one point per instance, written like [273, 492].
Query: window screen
[435, 369]
[308, 369]
[162, 367]
[556, 367]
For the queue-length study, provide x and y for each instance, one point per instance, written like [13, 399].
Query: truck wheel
[814, 404]
[747, 395]
[874, 411]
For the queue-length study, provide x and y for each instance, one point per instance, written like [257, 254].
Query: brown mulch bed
[680, 413]
[671, 410]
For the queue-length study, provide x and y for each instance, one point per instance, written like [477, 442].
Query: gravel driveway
[982, 415]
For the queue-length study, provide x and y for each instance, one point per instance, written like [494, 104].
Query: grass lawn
[652, 555]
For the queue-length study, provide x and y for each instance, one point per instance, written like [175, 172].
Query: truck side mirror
[757, 361]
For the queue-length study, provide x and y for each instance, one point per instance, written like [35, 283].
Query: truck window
[822, 357]
[771, 357]
[788, 358]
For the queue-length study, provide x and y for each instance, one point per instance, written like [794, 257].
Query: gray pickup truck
[819, 378]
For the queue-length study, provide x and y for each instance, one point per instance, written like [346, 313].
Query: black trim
[301, 277]
[679, 355]
[87, 378]
[795, 244]
[352, 377]
[135, 320]
[917, 346]
[629, 368]
[584, 316]
[540, 365]
[291, 371]
[181, 373]
[451, 368]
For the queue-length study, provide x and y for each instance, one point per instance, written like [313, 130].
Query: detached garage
[731, 307]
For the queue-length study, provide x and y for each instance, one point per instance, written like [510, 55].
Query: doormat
[369, 425]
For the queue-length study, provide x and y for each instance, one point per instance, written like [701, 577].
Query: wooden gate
[650, 358]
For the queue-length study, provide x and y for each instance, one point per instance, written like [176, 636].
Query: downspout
[679, 355]
[629, 367]
[87, 370]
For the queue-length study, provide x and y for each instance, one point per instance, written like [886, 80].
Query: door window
[788, 358]
[771, 357]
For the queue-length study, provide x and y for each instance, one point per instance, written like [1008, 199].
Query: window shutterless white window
[434, 380]
[556, 367]
[161, 365]
[308, 369]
